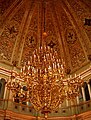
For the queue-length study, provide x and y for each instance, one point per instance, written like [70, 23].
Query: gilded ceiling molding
[58, 30]
[21, 18]
[53, 39]
[62, 23]
[31, 37]
[78, 46]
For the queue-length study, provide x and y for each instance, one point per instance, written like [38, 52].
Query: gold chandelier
[42, 80]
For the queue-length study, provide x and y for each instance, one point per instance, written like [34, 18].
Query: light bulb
[44, 34]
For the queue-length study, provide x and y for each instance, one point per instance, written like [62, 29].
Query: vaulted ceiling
[67, 23]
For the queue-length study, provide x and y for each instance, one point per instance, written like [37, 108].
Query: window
[87, 22]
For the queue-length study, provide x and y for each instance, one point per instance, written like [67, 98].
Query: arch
[2, 87]
[80, 95]
[89, 82]
[16, 98]
[86, 91]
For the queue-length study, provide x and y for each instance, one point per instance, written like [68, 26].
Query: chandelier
[42, 80]
[43, 84]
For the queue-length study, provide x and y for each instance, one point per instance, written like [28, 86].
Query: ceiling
[67, 23]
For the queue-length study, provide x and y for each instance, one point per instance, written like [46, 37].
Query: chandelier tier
[42, 80]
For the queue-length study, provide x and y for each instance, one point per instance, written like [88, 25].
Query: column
[20, 106]
[67, 103]
[60, 106]
[27, 106]
[77, 98]
[9, 102]
[5, 92]
[89, 90]
[83, 94]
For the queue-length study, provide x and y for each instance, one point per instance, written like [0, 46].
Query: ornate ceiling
[68, 27]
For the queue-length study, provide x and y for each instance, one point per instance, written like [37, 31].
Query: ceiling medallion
[51, 44]
[71, 36]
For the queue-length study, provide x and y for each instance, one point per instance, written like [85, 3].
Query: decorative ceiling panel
[31, 38]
